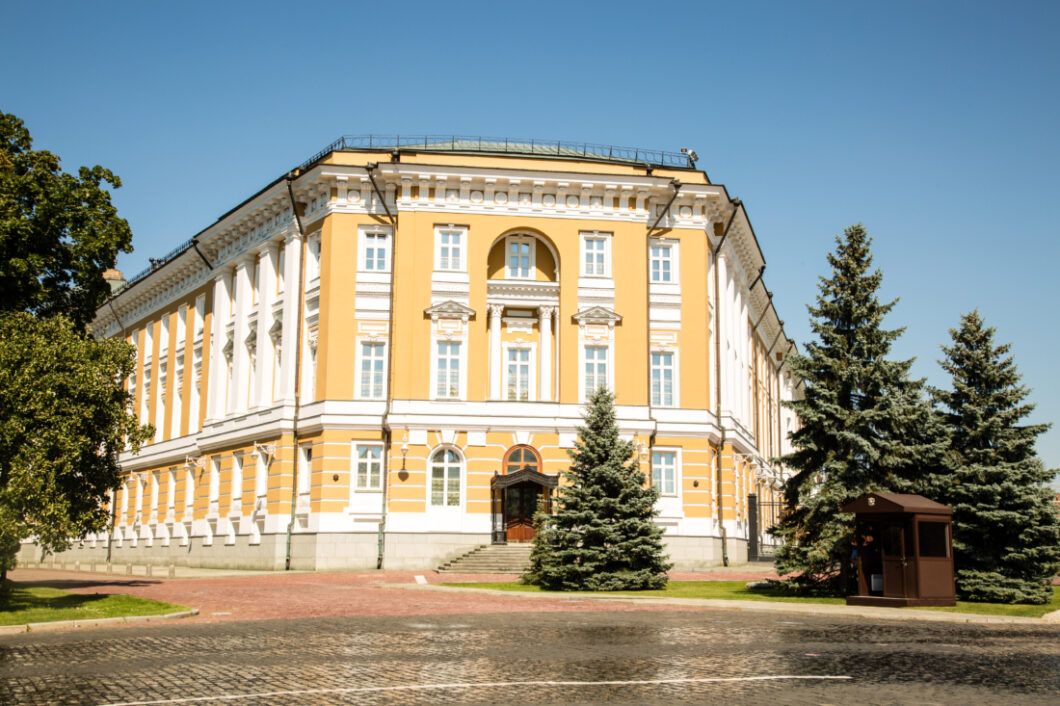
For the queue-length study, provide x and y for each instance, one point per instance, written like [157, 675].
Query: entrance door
[894, 561]
[520, 504]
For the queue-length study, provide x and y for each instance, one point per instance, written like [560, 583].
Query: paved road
[629, 657]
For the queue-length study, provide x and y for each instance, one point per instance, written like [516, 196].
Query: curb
[825, 610]
[95, 622]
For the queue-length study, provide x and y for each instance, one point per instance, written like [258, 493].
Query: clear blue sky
[935, 124]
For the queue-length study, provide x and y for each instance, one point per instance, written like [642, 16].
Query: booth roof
[888, 503]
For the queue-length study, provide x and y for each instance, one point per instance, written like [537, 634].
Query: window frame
[660, 481]
[531, 370]
[436, 369]
[355, 461]
[594, 237]
[367, 236]
[446, 492]
[360, 361]
[586, 391]
[674, 397]
[672, 246]
[537, 465]
[522, 239]
[314, 248]
[450, 229]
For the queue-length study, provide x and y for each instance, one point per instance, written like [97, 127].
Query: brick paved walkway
[305, 595]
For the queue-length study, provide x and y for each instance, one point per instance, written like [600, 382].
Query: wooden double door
[521, 501]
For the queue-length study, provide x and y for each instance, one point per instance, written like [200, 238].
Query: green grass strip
[38, 604]
[738, 591]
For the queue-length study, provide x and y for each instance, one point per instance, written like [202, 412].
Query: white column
[544, 379]
[292, 266]
[240, 356]
[215, 393]
[495, 350]
[268, 257]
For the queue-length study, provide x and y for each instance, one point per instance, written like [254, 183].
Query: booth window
[932, 537]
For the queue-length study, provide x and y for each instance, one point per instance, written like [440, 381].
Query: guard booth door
[895, 563]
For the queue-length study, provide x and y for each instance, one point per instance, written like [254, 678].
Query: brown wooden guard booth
[904, 549]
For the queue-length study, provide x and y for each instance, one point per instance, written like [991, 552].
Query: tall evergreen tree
[866, 426]
[1006, 533]
[603, 536]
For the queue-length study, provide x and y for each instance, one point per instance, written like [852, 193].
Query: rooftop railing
[505, 145]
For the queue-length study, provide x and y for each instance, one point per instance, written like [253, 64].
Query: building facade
[348, 369]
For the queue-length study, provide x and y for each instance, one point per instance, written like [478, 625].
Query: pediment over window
[597, 315]
[449, 310]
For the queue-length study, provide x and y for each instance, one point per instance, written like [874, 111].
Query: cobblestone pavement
[631, 657]
[297, 595]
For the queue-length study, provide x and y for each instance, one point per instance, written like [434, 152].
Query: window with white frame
[215, 481]
[305, 464]
[521, 257]
[661, 261]
[312, 265]
[281, 264]
[448, 370]
[449, 249]
[261, 475]
[368, 473]
[518, 374]
[445, 479]
[596, 255]
[373, 371]
[664, 472]
[595, 368]
[662, 378]
[237, 480]
[375, 251]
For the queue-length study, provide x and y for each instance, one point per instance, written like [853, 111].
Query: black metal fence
[761, 515]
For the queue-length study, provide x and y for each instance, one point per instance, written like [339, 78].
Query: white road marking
[420, 579]
[472, 685]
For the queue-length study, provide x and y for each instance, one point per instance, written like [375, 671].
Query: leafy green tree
[865, 426]
[603, 536]
[58, 232]
[1006, 533]
[63, 419]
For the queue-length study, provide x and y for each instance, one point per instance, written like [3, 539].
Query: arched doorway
[518, 493]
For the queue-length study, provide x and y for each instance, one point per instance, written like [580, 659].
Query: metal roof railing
[505, 145]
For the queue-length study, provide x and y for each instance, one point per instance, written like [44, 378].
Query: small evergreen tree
[865, 426]
[603, 536]
[1006, 534]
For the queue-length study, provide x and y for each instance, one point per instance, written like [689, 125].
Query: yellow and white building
[346, 369]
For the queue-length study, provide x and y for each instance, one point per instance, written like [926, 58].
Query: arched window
[520, 457]
[445, 478]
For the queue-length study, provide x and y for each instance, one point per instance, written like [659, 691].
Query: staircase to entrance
[491, 559]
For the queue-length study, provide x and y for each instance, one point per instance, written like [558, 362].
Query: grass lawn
[37, 604]
[738, 591]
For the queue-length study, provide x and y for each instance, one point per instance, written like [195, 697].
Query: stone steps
[490, 559]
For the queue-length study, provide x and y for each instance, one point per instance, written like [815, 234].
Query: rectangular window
[448, 382]
[661, 261]
[662, 379]
[595, 260]
[312, 265]
[376, 252]
[304, 466]
[664, 472]
[215, 480]
[519, 374]
[237, 480]
[261, 477]
[373, 366]
[281, 263]
[520, 257]
[369, 474]
[450, 250]
[595, 368]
